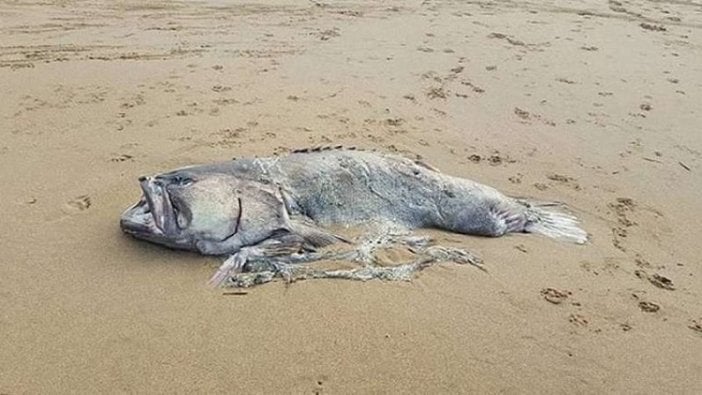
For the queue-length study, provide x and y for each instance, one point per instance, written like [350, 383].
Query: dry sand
[593, 103]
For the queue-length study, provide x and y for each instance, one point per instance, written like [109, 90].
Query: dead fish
[279, 206]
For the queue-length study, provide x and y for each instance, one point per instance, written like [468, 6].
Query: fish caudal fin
[543, 218]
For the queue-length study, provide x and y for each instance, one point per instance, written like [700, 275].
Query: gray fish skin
[347, 187]
[302, 192]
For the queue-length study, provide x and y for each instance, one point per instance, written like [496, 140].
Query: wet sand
[595, 104]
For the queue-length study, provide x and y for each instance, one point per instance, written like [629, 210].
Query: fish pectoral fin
[258, 257]
[283, 243]
[303, 226]
[233, 264]
[314, 235]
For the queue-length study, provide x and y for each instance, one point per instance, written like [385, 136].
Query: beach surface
[591, 103]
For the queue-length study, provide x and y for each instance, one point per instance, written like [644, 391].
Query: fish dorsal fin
[321, 148]
[417, 160]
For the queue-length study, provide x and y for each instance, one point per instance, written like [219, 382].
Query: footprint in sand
[437, 93]
[578, 320]
[652, 27]
[221, 88]
[648, 307]
[565, 180]
[17, 66]
[326, 35]
[495, 159]
[526, 117]
[78, 204]
[521, 113]
[555, 296]
[565, 81]
[122, 158]
[516, 179]
[474, 87]
[623, 208]
[319, 386]
[656, 279]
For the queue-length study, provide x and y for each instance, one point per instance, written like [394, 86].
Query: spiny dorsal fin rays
[418, 161]
[321, 148]
[317, 149]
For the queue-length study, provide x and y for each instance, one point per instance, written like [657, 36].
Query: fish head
[180, 208]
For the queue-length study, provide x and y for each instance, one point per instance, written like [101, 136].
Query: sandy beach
[591, 103]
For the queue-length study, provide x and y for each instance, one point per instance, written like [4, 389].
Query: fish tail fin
[544, 218]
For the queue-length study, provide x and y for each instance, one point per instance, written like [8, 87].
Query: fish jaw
[152, 218]
[138, 220]
[160, 205]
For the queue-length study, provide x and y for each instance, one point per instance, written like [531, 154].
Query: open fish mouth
[153, 214]
[138, 219]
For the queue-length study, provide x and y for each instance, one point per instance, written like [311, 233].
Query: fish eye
[182, 181]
